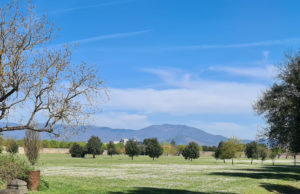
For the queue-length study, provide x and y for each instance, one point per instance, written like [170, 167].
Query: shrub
[77, 151]
[12, 146]
[32, 145]
[12, 167]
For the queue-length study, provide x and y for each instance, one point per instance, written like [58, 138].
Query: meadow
[168, 174]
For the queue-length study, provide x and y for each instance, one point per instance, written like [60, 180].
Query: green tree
[111, 148]
[153, 148]
[274, 153]
[191, 151]
[93, 146]
[173, 143]
[218, 150]
[77, 151]
[251, 150]
[132, 149]
[262, 152]
[280, 106]
[231, 148]
[12, 146]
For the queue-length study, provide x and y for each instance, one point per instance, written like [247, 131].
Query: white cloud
[266, 72]
[189, 95]
[120, 120]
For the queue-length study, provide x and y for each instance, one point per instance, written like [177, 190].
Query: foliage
[180, 149]
[31, 73]
[153, 148]
[173, 143]
[32, 146]
[77, 151]
[217, 153]
[94, 146]
[251, 150]
[120, 148]
[191, 151]
[209, 148]
[132, 149]
[263, 152]
[231, 148]
[12, 167]
[111, 148]
[169, 149]
[280, 106]
[12, 146]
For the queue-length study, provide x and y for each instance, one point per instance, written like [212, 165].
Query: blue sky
[199, 63]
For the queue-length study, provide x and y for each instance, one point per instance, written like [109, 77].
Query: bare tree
[32, 145]
[38, 79]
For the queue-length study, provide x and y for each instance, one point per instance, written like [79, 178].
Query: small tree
[218, 150]
[173, 143]
[262, 152]
[273, 155]
[77, 151]
[153, 148]
[32, 146]
[191, 151]
[132, 149]
[94, 146]
[231, 148]
[251, 150]
[12, 146]
[111, 149]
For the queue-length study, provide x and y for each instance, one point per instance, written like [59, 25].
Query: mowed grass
[168, 174]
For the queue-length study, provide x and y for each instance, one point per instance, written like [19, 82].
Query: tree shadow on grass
[149, 190]
[280, 188]
[268, 172]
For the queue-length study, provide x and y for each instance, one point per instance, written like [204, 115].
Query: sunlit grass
[168, 174]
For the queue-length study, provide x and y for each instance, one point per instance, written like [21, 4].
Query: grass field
[168, 174]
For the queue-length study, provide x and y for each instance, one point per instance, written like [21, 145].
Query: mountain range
[182, 134]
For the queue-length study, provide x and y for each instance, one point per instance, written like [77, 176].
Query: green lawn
[119, 175]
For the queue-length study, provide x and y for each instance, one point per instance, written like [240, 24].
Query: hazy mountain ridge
[182, 134]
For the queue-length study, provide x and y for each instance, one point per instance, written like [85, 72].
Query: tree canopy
[280, 105]
[251, 150]
[132, 149]
[93, 146]
[191, 151]
[153, 148]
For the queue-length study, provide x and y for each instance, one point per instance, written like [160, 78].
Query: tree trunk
[232, 161]
[251, 161]
[295, 160]
[273, 162]
[153, 158]
[93, 155]
[224, 161]
[131, 157]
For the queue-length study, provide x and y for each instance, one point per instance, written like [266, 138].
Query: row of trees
[150, 147]
[233, 148]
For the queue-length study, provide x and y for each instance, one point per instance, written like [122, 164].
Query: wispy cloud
[266, 72]
[60, 11]
[109, 36]
[237, 45]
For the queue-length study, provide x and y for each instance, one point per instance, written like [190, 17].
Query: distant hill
[182, 134]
